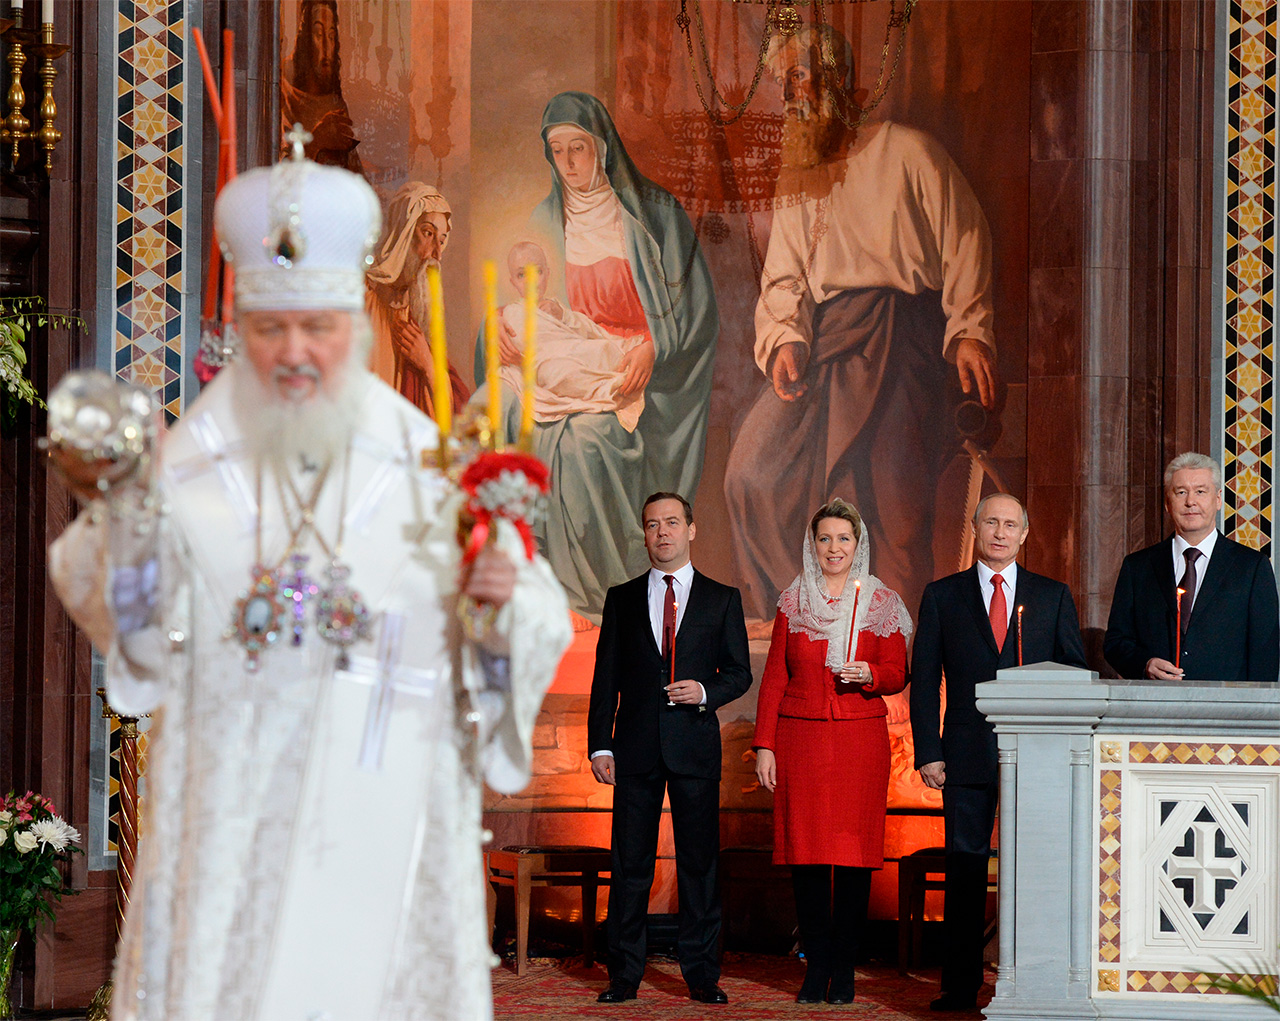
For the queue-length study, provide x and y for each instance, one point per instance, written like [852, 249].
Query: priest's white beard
[299, 435]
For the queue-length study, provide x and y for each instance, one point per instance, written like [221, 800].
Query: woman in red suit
[821, 741]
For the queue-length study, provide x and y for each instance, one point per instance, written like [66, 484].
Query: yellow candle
[441, 394]
[530, 345]
[492, 359]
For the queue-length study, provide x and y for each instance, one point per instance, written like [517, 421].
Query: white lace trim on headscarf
[592, 216]
[806, 603]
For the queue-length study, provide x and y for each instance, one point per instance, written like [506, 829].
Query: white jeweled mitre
[299, 235]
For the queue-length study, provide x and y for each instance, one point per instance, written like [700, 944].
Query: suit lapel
[1162, 567]
[1219, 565]
[1024, 595]
[973, 597]
[694, 601]
[640, 608]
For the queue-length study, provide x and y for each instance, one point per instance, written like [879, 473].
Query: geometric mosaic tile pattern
[151, 90]
[1201, 833]
[1249, 404]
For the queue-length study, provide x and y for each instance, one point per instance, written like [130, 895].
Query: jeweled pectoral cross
[298, 588]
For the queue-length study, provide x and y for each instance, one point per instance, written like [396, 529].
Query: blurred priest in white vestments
[281, 585]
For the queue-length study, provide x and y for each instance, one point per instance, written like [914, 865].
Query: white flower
[4, 835]
[54, 833]
[24, 841]
[6, 818]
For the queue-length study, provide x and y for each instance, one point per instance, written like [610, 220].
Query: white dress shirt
[988, 588]
[1180, 546]
[657, 600]
[658, 597]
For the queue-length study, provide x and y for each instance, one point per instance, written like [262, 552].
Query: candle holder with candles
[16, 126]
[498, 483]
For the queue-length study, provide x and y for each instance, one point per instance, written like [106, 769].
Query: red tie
[999, 612]
[669, 616]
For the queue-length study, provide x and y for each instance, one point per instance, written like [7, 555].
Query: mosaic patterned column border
[1249, 117]
[150, 112]
[153, 92]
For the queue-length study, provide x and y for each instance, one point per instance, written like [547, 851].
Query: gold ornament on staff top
[487, 427]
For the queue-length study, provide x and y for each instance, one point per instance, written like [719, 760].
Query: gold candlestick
[16, 124]
[48, 136]
[16, 128]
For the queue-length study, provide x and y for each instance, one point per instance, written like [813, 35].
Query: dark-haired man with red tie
[672, 650]
[967, 630]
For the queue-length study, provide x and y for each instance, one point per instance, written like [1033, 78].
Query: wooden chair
[919, 872]
[550, 865]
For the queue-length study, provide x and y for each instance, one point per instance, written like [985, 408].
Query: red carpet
[759, 986]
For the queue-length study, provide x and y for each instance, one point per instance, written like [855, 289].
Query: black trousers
[695, 822]
[831, 909]
[969, 813]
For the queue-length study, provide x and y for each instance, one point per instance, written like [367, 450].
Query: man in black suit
[967, 630]
[1230, 622]
[649, 731]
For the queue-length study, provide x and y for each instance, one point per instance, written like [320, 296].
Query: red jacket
[798, 683]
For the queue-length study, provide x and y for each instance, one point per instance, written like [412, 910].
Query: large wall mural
[782, 261]
[797, 298]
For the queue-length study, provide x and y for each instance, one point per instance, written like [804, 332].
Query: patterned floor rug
[760, 987]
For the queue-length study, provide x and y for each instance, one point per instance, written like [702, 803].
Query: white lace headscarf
[810, 610]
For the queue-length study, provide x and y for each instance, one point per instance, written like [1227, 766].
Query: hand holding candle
[1019, 634]
[530, 344]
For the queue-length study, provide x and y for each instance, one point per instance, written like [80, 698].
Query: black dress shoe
[617, 993]
[955, 1001]
[708, 994]
[841, 990]
[814, 987]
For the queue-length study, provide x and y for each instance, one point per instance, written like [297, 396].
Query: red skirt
[833, 782]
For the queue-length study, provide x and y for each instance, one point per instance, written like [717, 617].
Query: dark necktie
[669, 615]
[999, 612]
[1188, 584]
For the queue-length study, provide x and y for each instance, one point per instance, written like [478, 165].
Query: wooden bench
[550, 865]
[914, 879]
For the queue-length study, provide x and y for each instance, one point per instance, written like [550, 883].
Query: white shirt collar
[1009, 574]
[1205, 545]
[683, 576]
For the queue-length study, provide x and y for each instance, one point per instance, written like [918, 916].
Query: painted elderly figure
[284, 589]
[632, 265]
[399, 304]
[875, 312]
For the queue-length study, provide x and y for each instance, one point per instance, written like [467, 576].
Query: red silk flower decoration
[506, 485]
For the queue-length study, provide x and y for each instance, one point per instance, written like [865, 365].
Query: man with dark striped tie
[1197, 606]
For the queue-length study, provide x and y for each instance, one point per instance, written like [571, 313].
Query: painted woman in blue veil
[632, 264]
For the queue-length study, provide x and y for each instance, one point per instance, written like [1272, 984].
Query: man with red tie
[672, 650]
[1225, 625]
[967, 630]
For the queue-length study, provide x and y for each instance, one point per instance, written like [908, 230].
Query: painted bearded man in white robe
[312, 833]
[875, 302]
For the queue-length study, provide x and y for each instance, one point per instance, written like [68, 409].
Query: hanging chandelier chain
[736, 110]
